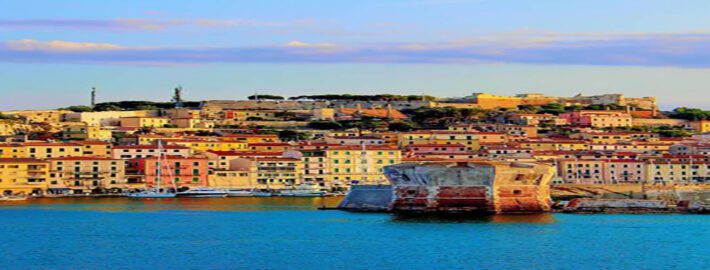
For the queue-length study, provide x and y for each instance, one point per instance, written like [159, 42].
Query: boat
[12, 198]
[261, 193]
[239, 193]
[203, 192]
[157, 191]
[481, 186]
[303, 191]
[151, 193]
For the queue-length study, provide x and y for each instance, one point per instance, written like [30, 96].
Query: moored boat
[202, 192]
[12, 198]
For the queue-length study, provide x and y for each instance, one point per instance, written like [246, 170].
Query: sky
[53, 52]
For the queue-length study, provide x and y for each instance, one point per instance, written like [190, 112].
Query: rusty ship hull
[484, 187]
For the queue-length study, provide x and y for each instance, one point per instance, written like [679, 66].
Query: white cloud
[60, 46]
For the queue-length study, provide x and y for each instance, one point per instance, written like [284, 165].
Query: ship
[475, 186]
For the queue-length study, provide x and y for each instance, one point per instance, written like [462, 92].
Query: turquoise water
[287, 233]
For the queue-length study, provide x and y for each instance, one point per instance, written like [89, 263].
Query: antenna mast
[177, 98]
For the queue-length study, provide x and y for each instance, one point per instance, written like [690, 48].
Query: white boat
[259, 193]
[239, 193]
[157, 191]
[202, 192]
[12, 198]
[151, 193]
[303, 190]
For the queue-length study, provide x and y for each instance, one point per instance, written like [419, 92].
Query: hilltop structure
[489, 101]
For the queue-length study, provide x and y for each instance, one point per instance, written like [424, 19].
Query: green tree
[325, 125]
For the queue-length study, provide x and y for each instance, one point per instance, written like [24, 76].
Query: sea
[291, 233]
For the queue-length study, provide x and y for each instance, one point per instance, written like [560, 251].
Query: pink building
[184, 171]
[599, 119]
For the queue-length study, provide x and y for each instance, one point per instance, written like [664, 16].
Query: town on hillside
[330, 143]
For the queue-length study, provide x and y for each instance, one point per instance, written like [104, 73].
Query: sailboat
[157, 191]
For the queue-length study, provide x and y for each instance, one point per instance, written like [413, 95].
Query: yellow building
[270, 147]
[468, 139]
[700, 125]
[12, 150]
[96, 148]
[37, 116]
[551, 145]
[355, 165]
[85, 132]
[53, 149]
[23, 176]
[678, 171]
[84, 175]
[233, 179]
[271, 172]
[251, 138]
[149, 122]
[200, 146]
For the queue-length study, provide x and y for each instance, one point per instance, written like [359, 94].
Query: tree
[79, 108]
[269, 97]
[291, 135]
[325, 125]
[552, 108]
[691, 114]
[402, 126]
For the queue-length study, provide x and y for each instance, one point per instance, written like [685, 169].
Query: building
[172, 171]
[700, 126]
[360, 165]
[53, 149]
[535, 119]
[445, 149]
[355, 140]
[597, 119]
[106, 118]
[201, 146]
[86, 132]
[38, 116]
[270, 147]
[222, 160]
[96, 148]
[144, 122]
[87, 175]
[144, 151]
[12, 150]
[23, 176]
[271, 172]
[468, 138]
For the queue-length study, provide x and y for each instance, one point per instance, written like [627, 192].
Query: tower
[93, 97]
[177, 97]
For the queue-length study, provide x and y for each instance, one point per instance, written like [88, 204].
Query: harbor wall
[367, 198]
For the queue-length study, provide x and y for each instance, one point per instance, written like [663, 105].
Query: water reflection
[191, 204]
[473, 218]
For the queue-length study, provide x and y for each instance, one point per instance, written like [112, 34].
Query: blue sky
[52, 52]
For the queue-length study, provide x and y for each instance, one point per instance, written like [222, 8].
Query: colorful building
[23, 176]
[86, 175]
[182, 171]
